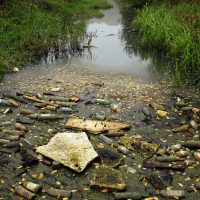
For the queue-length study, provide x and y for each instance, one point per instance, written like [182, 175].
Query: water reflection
[160, 63]
[111, 45]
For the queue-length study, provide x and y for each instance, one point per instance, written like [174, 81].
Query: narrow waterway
[108, 53]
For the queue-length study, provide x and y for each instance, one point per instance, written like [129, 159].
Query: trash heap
[43, 138]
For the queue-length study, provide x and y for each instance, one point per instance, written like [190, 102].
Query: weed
[167, 27]
[30, 27]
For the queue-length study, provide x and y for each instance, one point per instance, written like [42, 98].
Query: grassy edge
[160, 28]
[31, 27]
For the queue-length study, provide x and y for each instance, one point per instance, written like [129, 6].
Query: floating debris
[96, 127]
[109, 178]
[73, 150]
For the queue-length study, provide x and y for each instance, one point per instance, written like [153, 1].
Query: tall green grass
[170, 28]
[30, 27]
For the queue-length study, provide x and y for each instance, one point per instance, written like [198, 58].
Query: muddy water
[108, 52]
[110, 69]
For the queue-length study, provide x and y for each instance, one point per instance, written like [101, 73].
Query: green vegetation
[174, 26]
[30, 27]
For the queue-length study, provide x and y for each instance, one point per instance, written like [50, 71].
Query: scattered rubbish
[197, 156]
[25, 120]
[94, 126]
[105, 139]
[161, 113]
[182, 153]
[56, 89]
[146, 112]
[172, 193]
[56, 165]
[21, 127]
[59, 193]
[74, 98]
[100, 116]
[23, 192]
[169, 158]
[103, 101]
[109, 157]
[41, 117]
[73, 150]
[182, 128]
[5, 102]
[12, 144]
[28, 158]
[114, 107]
[4, 141]
[163, 165]
[160, 180]
[157, 106]
[176, 147]
[61, 99]
[33, 187]
[131, 170]
[8, 123]
[123, 150]
[144, 147]
[191, 144]
[108, 178]
[194, 125]
[128, 195]
[115, 134]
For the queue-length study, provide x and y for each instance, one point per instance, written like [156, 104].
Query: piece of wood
[162, 165]
[94, 126]
[39, 100]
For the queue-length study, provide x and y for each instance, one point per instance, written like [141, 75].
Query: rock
[176, 147]
[100, 116]
[181, 128]
[93, 126]
[131, 170]
[182, 153]
[28, 158]
[197, 156]
[160, 180]
[110, 157]
[73, 150]
[56, 165]
[108, 178]
[194, 125]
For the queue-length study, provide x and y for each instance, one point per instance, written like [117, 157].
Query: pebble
[182, 153]
[176, 147]
[197, 156]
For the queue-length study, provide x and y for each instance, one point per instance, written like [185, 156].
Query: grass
[174, 27]
[30, 27]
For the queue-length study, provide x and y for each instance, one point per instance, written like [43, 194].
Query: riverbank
[29, 28]
[173, 27]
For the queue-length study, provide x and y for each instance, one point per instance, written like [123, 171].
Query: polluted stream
[111, 128]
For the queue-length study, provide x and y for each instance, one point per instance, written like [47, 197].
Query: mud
[124, 89]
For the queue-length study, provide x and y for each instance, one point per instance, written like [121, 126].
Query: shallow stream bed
[104, 71]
